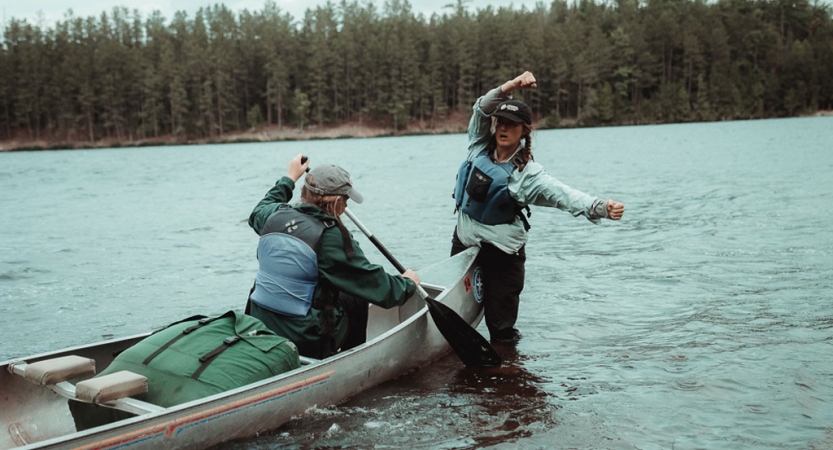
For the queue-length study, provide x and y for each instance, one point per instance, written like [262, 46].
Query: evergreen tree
[118, 76]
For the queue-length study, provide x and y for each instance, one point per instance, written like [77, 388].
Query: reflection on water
[702, 320]
[444, 406]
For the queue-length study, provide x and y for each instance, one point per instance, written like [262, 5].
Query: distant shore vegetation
[351, 69]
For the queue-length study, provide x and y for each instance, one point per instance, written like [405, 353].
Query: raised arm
[480, 125]
[523, 81]
[280, 193]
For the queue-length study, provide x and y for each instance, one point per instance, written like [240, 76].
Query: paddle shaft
[472, 348]
[375, 241]
[381, 247]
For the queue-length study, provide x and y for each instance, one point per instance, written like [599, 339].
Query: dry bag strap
[200, 323]
[209, 357]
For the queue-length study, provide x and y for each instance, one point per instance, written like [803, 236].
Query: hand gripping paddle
[469, 345]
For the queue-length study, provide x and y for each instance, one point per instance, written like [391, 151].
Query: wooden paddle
[469, 345]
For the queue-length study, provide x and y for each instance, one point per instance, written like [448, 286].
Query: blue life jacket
[288, 265]
[482, 190]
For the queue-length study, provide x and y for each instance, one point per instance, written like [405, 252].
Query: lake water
[704, 319]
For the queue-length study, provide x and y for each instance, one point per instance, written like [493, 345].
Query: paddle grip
[472, 348]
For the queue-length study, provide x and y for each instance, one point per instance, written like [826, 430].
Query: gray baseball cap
[333, 180]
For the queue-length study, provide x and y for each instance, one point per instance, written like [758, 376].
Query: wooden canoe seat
[54, 371]
[111, 387]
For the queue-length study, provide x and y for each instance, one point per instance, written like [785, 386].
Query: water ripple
[701, 320]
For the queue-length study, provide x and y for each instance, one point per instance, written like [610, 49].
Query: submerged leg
[503, 281]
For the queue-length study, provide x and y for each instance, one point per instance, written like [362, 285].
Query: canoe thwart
[56, 370]
[111, 387]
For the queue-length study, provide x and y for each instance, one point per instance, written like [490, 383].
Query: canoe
[400, 340]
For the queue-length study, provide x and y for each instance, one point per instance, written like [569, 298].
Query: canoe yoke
[113, 390]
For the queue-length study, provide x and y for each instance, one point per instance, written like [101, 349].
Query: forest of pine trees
[125, 77]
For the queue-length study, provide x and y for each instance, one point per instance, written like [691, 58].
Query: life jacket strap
[347, 242]
[527, 226]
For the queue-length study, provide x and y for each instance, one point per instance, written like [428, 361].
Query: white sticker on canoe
[478, 284]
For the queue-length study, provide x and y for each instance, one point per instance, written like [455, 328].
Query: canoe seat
[113, 390]
[54, 371]
[111, 387]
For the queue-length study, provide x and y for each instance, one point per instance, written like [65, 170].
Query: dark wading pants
[356, 311]
[503, 281]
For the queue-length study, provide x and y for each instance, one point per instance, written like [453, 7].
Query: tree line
[125, 77]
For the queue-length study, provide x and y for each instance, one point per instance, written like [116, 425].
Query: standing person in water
[496, 182]
[314, 282]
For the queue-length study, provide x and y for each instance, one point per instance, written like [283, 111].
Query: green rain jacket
[356, 276]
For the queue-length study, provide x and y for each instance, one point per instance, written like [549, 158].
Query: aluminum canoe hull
[400, 340]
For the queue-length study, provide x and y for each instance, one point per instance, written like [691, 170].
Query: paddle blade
[469, 345]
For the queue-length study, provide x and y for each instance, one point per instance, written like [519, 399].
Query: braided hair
[525, 155]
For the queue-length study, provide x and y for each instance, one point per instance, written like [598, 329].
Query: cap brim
[355, 195]
[509, 116]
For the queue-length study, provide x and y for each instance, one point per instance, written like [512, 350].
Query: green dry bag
[195, 358]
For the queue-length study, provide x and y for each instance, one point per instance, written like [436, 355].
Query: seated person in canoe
[314, 282]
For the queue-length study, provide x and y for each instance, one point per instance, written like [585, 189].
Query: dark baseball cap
[333, 180]
[514, 110]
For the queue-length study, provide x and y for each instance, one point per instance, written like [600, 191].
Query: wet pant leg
[503, 281]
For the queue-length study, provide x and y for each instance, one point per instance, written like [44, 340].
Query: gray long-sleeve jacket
[532, 186]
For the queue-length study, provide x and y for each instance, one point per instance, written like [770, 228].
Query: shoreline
[352, 130]
[455, 123]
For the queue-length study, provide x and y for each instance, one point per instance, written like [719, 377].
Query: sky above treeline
[46, 12]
